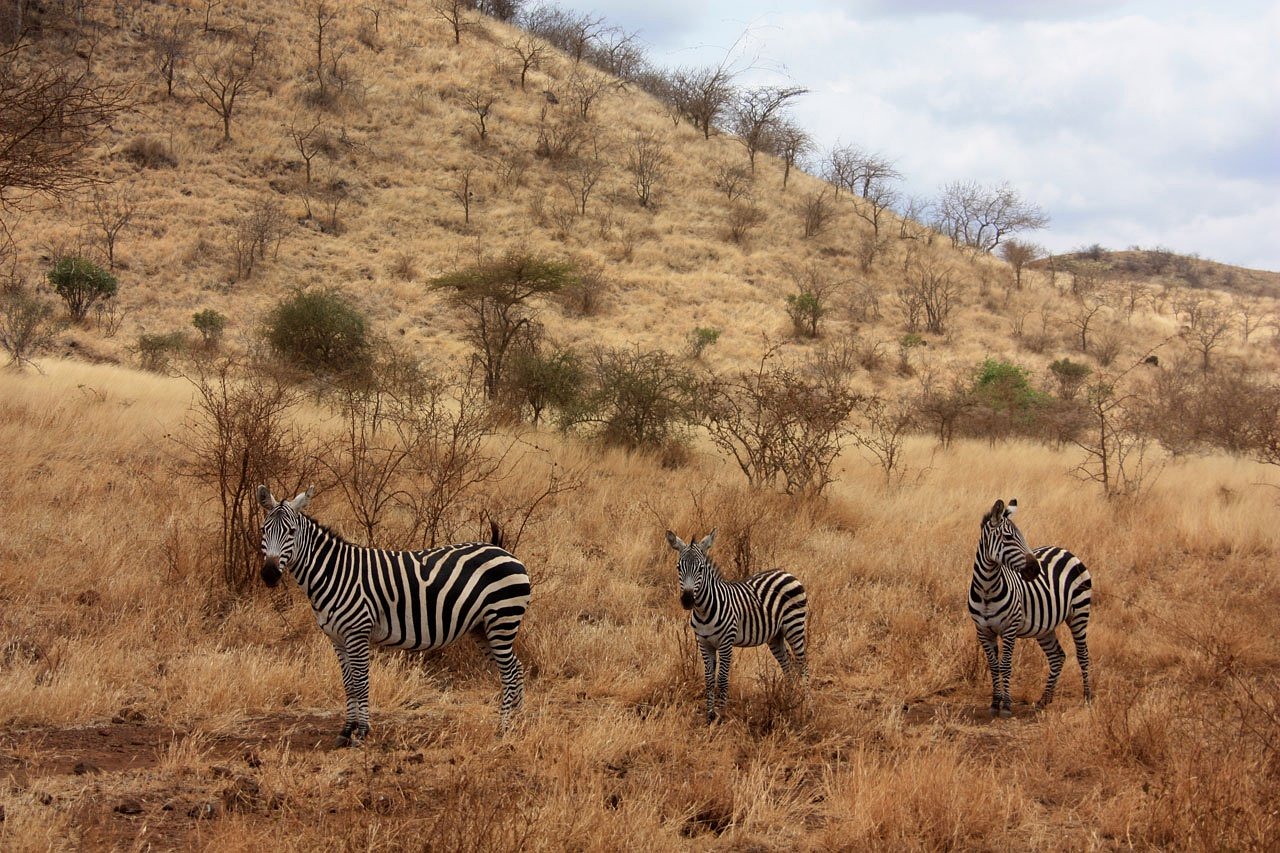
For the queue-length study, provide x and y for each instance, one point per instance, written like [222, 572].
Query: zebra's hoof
[995, 710]
[1006, 712]
[342, 742]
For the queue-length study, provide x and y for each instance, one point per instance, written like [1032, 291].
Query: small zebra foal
[401, 599]
[1018, 592]
[769, 607]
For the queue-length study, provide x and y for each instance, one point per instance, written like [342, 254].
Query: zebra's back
[443, 593]
[1062, 591]
[767, 603]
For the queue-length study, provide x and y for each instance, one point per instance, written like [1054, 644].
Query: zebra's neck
[318, 549]
[712, 586]
[988, 576]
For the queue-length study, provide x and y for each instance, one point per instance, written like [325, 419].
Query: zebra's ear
[1011, 508]
[997, 511]
[265, 498]
[675, 541]
[706, 543]
[303, 498]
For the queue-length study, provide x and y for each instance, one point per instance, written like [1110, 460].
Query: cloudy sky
[1145, 122]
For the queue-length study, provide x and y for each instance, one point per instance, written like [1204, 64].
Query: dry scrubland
[142, 704]
[131, 681]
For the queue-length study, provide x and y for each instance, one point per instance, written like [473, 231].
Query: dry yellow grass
[213, 716]
[141, 704]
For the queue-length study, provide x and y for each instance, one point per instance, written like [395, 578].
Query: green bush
[639, 399]
[321, 332]
[80, 283]
[542, 380]
[210, 324]
[805, 310]
[1070, 375]
[156, 351]
[701, 338]
[1005, 386]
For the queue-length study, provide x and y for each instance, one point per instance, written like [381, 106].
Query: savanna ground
[143, 705]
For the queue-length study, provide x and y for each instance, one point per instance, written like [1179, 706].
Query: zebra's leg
[353, 654]
[778, 646]
[722, 680]
[795, 639]
[1006, 668]
[991, 648]
[501, 650]
[1078, 624]
[709, 670]
[1053, 651]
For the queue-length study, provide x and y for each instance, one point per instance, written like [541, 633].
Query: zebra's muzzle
[686, 599]
[271, 573]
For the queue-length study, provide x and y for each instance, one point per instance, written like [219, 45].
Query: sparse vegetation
[143, 621]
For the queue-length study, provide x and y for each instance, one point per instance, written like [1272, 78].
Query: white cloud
[1129, 122]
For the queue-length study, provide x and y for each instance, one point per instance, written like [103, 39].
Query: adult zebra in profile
[1018, 592]
[769, 607]
[400, 599]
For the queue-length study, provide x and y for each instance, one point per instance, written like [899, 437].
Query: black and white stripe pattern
[769, 607]
[401, 599]
[1017, 592]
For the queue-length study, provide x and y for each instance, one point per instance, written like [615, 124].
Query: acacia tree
[756, 113]
[531, 51]
[495, 296]
[169, 40]
[226, 75]
[703, 95]
[1019, 253]
[782, 426]
[980, 217]
[647, 161]
[791, 142]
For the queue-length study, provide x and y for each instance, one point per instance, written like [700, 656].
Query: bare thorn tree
[981, 217]
[756, 113]
[226, 75]
[49, 119]
[462, 190]
[792, 143]
[1019, 253]
[169, 40]
[480, 103]
[113, 210]
[531, 51]
[454, 13]
[647, 161]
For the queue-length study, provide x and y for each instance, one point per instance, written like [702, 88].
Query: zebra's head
[279, 532]
[693, 565]
[1002, 543]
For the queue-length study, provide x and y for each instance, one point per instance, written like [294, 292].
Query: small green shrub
[805, 310]
[321, 332]
[541, 380]
[701, 338]
[1070, 375]
[156, 351]
[80, 283]
[210, 324]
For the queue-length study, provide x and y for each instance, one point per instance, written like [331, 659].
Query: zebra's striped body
[769, 607]
[411, 600]
[1017, 592]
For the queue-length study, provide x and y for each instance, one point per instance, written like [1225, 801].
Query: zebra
[409, 600]
[1019, 592]
[769, 607]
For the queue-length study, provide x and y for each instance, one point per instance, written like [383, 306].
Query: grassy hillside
[145, 703]
[1165, 268]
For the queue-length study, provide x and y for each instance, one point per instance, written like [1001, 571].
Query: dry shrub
[148, 152]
